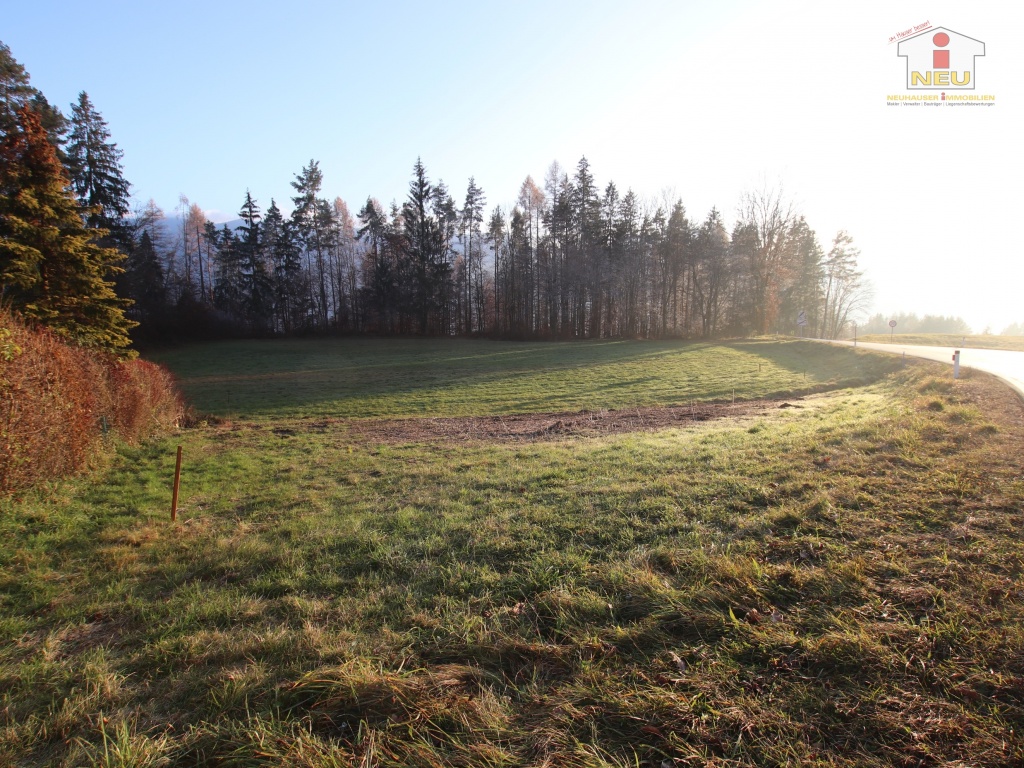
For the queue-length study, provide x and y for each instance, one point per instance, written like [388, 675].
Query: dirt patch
[990, 395]
[531, 427]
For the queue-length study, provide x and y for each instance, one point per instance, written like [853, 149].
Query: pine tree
[95, 164]
[16, 93]
[51, 269]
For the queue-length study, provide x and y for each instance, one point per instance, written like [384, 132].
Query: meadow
[975, 341]
[363, 378]
[831, 577]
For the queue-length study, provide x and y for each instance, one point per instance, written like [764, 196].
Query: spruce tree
[380, 274]
[228, 295]
[52, 270]
[472, 220]
[311, 219]
[257, 289]
[95, 164]
[281, 243]
[143, 282]
[16, 92]
[424, 246]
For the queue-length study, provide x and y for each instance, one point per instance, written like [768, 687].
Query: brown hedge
[58, 402]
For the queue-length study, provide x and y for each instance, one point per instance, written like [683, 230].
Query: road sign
[801, 319]
[892, 323]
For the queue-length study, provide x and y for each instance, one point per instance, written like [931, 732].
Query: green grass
[360, 378]
[977, 341]
[839, 583]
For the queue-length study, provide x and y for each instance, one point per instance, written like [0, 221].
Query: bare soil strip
[532, 427]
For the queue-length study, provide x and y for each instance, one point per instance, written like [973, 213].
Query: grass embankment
[975, 341]
[838, 583]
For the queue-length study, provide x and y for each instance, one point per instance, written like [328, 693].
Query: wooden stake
[177, 480]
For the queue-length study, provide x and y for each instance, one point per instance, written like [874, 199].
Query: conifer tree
[95, 165]
[472, 222]
[51, 269]
[425, 247]
[17, 92]
[256, 288]
[280, 241]
[380, 272]
[143, 282]
[228, 290]
[312, 218]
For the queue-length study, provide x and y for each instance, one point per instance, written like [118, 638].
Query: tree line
[569, 260]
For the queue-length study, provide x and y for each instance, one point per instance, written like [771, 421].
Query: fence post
[177, 480]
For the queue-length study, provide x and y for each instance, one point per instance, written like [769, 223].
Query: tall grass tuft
[57, 402]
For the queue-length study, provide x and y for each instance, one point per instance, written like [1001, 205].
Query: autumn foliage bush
[59, 402]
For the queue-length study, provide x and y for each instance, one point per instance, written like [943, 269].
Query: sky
[674, 99]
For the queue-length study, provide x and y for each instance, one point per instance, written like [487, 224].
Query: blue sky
[672, 99]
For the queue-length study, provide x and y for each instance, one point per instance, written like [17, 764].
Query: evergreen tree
[143, 282]
[496, 236]
[710, 271]
[803, 284]
[472, 220]
[51, 268]
[95, 164]
[424, 247]
[280, 242]
[229, 280]
[673, 257]
[16, 93]
[256, 288]
[312, 222]
[380, 270]
[447, 215]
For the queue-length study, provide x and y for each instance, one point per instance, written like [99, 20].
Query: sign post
[801, 320]
[892, 329]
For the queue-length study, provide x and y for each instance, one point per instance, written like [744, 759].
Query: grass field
[975, 341]
[363, 378]
[837, 582]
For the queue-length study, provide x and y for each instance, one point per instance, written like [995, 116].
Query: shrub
[57, 401]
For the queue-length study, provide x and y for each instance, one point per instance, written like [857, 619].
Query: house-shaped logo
[941, 59]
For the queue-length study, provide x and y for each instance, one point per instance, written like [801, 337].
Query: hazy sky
[695, 100]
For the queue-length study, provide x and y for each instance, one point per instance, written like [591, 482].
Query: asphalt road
[1005, 364]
